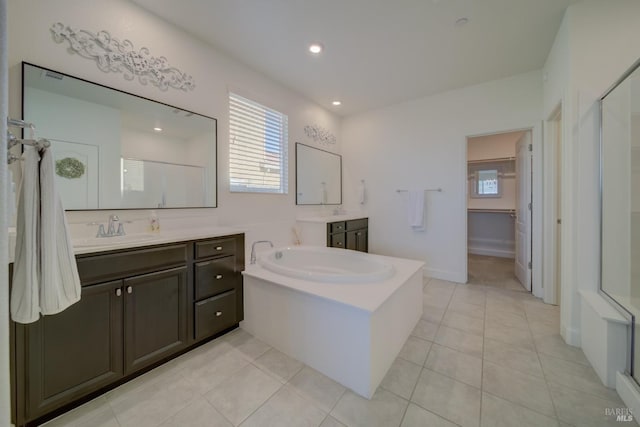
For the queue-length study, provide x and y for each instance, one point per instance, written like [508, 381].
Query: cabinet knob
[118, 292]
[129, 289]
[358, 234]
[218, 276]
[339, 243]
[218, 248]
[218, 313]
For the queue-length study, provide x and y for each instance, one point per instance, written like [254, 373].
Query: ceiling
[376, 52]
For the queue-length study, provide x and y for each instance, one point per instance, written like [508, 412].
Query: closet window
[258, 140]
[485, 180]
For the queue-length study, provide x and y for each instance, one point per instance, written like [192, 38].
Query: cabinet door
[75, 352]
[155, 317]
[357, 240]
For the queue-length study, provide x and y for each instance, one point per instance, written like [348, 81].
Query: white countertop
[102, 244]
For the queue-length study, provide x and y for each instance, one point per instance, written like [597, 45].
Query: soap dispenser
[154, 222]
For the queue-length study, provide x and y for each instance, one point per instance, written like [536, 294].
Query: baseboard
[492, 247]
[630, 395]
[451, 276]
[571, 336]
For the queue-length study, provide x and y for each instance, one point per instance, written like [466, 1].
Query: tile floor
[493, 272]
[480, 356]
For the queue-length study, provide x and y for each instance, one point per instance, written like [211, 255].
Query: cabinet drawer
[218, 247]
[215, 276]
[356, 224]
[336, 227]
[100, 268]
[337, 240]
[215, 314]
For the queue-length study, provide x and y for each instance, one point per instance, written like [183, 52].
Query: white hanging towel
[415, 210]
[361, 193]
[45, 278]
[25, 298]
[59, 281]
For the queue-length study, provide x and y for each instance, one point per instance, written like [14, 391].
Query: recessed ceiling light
[315, 48]
[461, 21]
[157, 129]
[336, 103]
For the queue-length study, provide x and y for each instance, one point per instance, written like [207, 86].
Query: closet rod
[439, 190]
[498, 159]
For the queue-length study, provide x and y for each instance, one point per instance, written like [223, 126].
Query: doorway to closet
[499, 176]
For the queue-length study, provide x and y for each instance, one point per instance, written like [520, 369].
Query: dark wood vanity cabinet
[352, 234]
[155, 317]
[64, 357]
[218, 285]
[139, 307]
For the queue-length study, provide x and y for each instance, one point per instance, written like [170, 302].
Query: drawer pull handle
[129, 290]
[118, 292]
[218, 248]
[218, 276]
[218, 313]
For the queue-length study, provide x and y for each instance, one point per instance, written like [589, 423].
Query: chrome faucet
[253, 249]
[111, 228]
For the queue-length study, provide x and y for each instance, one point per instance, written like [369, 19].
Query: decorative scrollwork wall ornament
[111, 54]
[319, 134]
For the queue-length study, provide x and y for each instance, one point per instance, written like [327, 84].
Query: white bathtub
[351, 332]
[326, 264]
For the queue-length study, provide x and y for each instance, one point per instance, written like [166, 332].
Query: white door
[523, 210]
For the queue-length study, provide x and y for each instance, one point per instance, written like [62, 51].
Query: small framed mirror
[318, 176]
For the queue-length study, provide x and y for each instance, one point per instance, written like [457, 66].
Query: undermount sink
[113, 240]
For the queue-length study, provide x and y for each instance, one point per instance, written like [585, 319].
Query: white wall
[214, 74]
[591, 51]
[496, 146]
[422, 144]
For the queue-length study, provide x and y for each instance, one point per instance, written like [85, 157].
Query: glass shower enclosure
[620, 203]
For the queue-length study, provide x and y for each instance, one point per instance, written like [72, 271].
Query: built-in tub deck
[351, 332]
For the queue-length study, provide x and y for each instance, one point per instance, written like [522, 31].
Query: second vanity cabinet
[351, 234]
[138, 308]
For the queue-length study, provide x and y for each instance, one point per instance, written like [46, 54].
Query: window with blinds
[258, 140]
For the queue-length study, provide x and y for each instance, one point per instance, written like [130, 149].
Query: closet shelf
[507, 211]
[496, 160]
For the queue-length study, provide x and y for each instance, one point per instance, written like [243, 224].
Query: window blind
[258, 141]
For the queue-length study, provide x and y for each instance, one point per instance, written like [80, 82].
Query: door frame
[537, 205]
[552, 125]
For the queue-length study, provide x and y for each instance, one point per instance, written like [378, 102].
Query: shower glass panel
[620, 203]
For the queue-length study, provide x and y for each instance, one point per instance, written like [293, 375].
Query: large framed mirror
[620, 202]
[318, 176]
[115, 150]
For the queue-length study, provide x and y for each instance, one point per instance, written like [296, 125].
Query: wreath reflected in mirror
[70, 168]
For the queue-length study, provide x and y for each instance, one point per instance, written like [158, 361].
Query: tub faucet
[253, 249]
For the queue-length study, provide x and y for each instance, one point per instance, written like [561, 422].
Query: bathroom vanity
[139, 307]
[337, 231]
